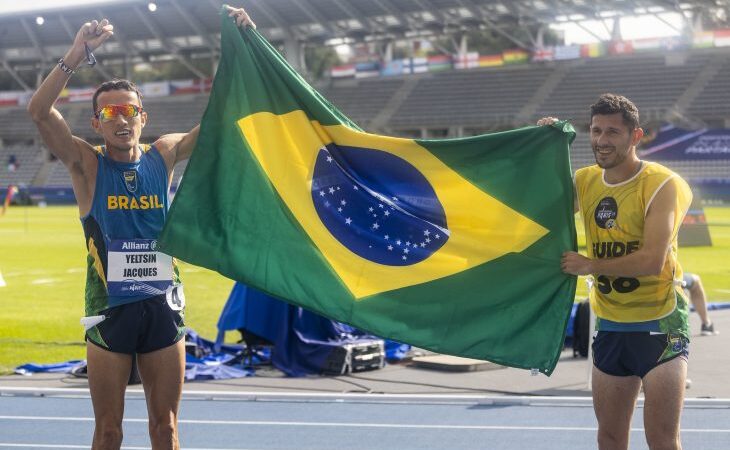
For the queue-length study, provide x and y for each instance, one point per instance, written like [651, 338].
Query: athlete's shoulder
[585, 173]
[654, 169]
[150, 150]
[659, 174]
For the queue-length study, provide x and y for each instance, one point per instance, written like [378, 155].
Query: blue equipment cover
[302, 341]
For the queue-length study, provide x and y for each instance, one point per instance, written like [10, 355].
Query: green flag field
[42, 256]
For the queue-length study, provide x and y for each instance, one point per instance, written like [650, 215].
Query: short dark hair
[614, 104]
[116, 84]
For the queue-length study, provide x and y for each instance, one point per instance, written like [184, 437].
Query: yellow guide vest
[614, 215]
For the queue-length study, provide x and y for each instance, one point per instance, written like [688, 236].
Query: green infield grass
[42, 259]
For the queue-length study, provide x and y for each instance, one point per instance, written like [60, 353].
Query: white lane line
[34, 445]
[16, 445]
[410, 399]
[355, 425]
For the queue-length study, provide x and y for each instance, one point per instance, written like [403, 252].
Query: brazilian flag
[449, 245]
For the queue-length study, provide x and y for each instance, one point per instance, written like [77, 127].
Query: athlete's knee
[664, 442]
[107, 437]
[163, 429]
[611, 439]
[663, 437]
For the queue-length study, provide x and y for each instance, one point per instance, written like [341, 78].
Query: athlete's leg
[108, 376]
[699, 301]
[664, 395]
[162, 372]
[614, 400]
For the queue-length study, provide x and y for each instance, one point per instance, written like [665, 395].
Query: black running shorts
[635, 353]
[139, 327]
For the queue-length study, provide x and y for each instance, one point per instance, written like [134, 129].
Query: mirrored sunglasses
[108, 112]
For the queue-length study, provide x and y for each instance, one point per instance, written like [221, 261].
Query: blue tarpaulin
[302, 341]
[209, 362]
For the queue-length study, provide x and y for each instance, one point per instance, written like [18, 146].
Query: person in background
[12, 163]
[696, 293]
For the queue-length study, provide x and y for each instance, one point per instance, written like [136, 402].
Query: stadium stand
[29, 160]
[653, 81]
[683, 84]
[477, 97]
[58, 175]
[361, 100]
[714, 100]
[15, 124]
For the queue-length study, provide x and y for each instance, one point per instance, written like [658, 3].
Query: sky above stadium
[632, 27]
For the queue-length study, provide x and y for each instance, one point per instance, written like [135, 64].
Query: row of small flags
[434, 63]
[85, 94]
[717, 38]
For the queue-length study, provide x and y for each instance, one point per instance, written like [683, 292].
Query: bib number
[622, 285]
[175, 298]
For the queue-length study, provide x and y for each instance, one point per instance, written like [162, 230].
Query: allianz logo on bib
[133, 245]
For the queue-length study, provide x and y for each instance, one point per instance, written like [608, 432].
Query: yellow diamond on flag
[480, 227]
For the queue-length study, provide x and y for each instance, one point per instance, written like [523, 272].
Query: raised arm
[53, 128]
[178, 147]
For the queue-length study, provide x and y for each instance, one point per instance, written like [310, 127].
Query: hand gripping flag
[448, 245]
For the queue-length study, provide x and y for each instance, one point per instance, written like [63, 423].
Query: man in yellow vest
[632, 210]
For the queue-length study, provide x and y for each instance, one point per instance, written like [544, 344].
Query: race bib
[136, 269]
